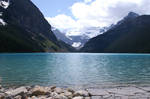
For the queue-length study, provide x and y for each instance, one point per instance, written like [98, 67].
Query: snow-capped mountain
[131, 15]
[130, 35]
[78, 41]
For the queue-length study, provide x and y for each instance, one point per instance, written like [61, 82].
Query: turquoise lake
[74, 69]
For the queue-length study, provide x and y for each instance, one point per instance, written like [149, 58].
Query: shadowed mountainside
[26, 29]
[130, 35]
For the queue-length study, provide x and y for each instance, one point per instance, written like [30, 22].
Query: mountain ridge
[128, 36]
[27, 30]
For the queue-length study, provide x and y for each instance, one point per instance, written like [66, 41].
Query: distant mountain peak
[132, 15]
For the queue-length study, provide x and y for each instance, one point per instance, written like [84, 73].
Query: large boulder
[58, 90]
[18, 91]
[82, 93]
[2, 96]
[68, 94]
[38, 90]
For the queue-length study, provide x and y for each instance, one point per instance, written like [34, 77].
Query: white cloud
[62, 22]
[97, 13]
[87, 1]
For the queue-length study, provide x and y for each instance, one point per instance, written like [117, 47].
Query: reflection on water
[69, 69]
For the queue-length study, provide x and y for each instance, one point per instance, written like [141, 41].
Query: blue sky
[51, 8]
[75, 17]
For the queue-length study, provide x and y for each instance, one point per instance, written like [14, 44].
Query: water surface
[74, 69]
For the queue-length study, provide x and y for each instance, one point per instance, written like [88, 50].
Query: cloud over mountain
[97, 13]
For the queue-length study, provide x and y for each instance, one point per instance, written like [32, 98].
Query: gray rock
[58, 90]
[18, 91]
[33, 97]
[70, 90]
[79, 97]
[54, 94]
[53, 87]
[96, 97]
[2, 96]
[18, 97]
[68, 94]
[87, 98]
[82, 93]
[98, 92]
[61, 97]
[38, 90]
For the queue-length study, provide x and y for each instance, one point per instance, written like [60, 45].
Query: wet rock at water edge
[18, 91]
[38, 90]
[82, 93]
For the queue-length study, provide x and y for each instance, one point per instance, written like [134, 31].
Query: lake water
[74, 69]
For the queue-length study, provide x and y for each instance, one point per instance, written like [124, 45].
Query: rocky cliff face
[130, 35]
[26, 27]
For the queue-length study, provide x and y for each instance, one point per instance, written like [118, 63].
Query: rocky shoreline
[41, 92]
[53, 92]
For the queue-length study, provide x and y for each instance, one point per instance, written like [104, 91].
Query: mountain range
[130, 35]
[78, 41]
[23, 28]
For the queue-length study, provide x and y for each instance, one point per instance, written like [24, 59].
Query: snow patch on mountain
[4, 4]
[76, 44]
[78, 40]
[2, 22]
